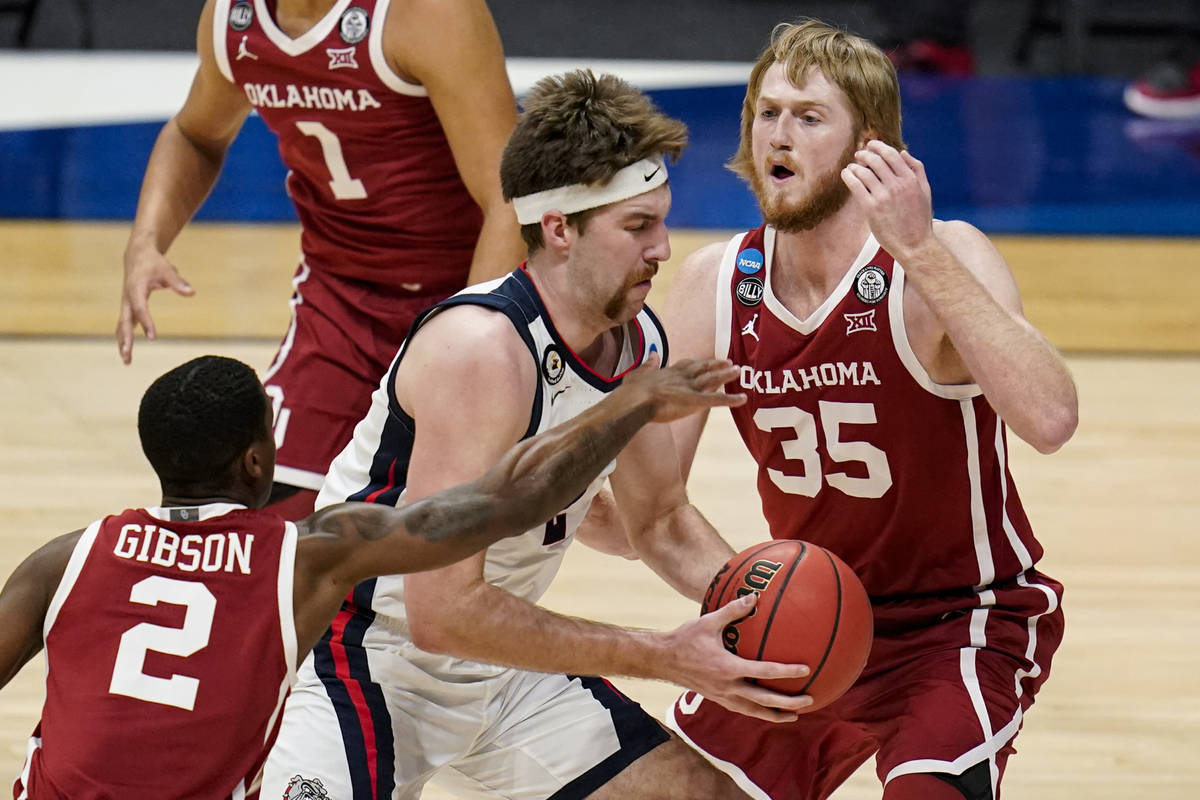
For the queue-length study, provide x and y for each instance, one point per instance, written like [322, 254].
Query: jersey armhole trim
[379, 62]
[908, 358]
[74, 567]
[287, 617]
[219, 43]
[661, 335]
[486, 300]
[724, 299]
[285, 594]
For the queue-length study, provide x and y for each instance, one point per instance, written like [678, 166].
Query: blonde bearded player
[456, 674]
[884, 354]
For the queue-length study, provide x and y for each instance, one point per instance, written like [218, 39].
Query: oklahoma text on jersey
[839, 373]
[271, 95]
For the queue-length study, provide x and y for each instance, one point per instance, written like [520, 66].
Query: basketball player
[456, 674]
[884, 354]
[173, 632]
[391, 115]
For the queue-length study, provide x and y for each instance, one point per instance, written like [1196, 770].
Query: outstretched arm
[184, 164]
[24, 602]
[967, 318]
[533, 481]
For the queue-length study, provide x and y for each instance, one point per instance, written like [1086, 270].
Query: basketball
[812, 609]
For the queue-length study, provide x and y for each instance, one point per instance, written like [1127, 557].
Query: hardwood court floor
[1116, 509]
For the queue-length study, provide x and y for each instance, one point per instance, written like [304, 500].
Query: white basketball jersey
[373, 467]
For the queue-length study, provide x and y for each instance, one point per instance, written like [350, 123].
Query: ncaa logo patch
[553, 366]
[240, 16]
[749, 291]
[353, 25]
[749, 261]
[871, 284]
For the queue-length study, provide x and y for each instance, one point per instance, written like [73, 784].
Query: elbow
[1054, 429]
[431, 623]
[426, 632]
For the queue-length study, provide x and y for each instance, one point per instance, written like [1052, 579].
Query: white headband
[635, 179]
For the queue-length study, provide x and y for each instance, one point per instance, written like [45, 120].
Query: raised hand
[893, 191]
[702, 664]
[146, 270]
[683, 388]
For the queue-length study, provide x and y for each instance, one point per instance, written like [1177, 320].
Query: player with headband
[455, 675]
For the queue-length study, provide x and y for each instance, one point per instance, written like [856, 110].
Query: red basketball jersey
[170, 646]
[375, 185]
[858, 450]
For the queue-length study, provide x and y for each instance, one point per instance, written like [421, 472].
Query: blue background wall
[1010, 154]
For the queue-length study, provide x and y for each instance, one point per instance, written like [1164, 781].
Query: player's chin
[627, 306]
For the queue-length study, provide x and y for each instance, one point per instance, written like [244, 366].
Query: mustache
[647, 274]
[780, 159]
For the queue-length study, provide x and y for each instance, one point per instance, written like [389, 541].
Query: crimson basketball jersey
[170, 647]
[858, 450]
[374, 183]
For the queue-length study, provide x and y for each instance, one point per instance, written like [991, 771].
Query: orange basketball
[812, 609]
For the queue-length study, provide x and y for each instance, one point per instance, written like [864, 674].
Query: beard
[616, 308]
[827, 197]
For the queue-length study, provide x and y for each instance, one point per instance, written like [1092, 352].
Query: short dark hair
[579, 127]
[197, 419]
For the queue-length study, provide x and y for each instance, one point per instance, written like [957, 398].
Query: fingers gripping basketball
[812, 609]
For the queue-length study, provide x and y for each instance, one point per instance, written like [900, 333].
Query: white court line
[51, 90]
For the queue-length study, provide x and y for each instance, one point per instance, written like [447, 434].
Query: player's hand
[683, 388]
[702, 664]
[891, 188]
[146, 270]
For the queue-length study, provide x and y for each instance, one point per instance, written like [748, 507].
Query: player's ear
[557, 233]
[255, 462]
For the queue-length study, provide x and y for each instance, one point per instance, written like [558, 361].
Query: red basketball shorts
[342, 338]
[946, 687]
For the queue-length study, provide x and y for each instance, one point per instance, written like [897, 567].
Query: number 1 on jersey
[343, 186]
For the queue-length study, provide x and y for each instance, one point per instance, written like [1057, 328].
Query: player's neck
[591, 336]
[296, 17]
[808, 265]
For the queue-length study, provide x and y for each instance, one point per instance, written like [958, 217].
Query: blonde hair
[853, 64]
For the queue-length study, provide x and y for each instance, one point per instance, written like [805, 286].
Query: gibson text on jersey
[214, 552]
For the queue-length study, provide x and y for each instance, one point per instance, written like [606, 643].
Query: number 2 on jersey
[343, 186]
[803, 449]
[128, 679]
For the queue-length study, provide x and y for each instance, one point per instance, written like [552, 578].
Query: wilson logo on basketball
[755, 581]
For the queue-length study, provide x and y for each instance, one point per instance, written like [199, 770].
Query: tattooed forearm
[356, 521]
[544, 474]
[536, 479]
